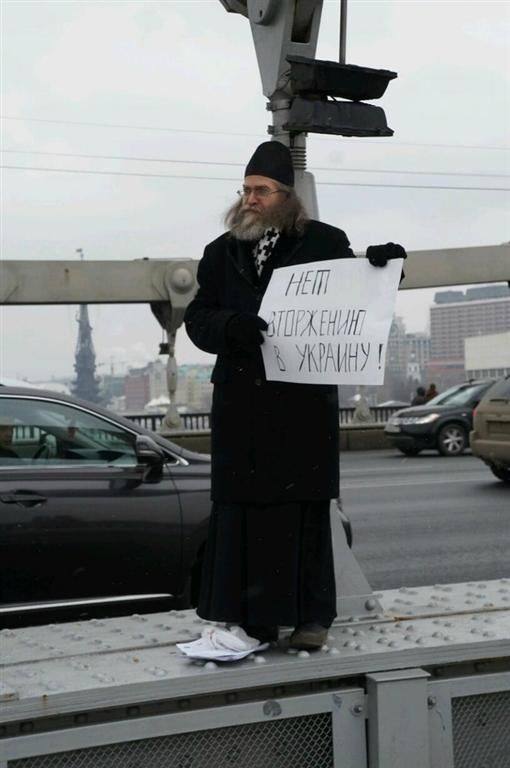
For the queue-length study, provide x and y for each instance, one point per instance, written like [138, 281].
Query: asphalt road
[425, 519]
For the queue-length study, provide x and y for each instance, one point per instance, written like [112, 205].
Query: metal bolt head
[431, 702]
[357, 709]
[182, 281]
[272, 708]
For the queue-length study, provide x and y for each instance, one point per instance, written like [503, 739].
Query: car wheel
[409, 450]
[452, 440]
[501, 473]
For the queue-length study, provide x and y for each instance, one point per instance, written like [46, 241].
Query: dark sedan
[443, 423]
[97, 515]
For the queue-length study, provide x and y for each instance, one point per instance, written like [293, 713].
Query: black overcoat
[271, 442]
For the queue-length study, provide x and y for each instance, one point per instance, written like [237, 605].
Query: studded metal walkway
[85, 665]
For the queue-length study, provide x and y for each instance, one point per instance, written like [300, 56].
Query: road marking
[379, 468]
[446, 481]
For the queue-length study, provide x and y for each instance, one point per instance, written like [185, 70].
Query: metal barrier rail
[201, 420]
[423, 684]
[469, 721]
[397, 719]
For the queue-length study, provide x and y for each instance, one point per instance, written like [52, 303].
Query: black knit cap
[272, 159]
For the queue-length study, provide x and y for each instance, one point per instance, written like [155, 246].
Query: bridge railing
[379, 413]
[153, 421]
[201, 420]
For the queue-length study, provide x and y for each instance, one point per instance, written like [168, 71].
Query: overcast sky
[178, 80]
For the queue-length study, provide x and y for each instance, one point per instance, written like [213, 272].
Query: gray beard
[244, 228]
[253, 231]
[289, 217]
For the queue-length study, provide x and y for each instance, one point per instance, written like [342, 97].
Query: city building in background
[146, 388]
[112, 391]
[137, 391]
[396, 352]
[194, 388]
[487, 356]
[407, 359]
[417, 346]
[456, 316]
[145, 385]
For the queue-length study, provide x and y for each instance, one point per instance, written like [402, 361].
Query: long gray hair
[289, 217]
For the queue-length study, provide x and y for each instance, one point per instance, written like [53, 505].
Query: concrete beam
[174, 280]
[98, 282]
[457, 266]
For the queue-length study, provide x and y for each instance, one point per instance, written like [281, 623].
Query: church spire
[86, 385]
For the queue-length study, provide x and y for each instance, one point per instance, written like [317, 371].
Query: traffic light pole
[343, 31]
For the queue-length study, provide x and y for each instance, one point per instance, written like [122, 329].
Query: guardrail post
[398, 730]
[349, 740]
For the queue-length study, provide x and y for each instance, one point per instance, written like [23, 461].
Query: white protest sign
[329, 321]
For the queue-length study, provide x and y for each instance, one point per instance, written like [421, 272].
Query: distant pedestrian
[420, 397]
[431, 392]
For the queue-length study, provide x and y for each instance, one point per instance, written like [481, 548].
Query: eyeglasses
[260, 192]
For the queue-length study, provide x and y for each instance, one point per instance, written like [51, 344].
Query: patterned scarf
[264, 247]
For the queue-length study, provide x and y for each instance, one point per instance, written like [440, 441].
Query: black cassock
[274, 445]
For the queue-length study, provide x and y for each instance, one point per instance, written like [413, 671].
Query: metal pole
[343, 30]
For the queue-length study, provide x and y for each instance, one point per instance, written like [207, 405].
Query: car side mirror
[150, 456]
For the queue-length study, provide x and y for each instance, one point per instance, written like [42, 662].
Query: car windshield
[459, 395]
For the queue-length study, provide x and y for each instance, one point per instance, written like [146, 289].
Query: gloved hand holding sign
[379, 255]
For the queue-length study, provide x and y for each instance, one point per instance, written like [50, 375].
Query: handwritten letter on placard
[329, 321]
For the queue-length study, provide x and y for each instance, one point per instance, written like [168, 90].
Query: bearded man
[274, 445]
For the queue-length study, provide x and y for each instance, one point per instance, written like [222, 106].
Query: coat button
[258, 382]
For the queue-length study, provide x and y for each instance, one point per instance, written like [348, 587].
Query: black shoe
[308, 637]
[262, 634]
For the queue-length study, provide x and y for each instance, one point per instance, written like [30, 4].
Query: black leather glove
[244, 330]
[379, 255]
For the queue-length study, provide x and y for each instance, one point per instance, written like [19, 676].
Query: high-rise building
[457, 315]
[396, 354]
